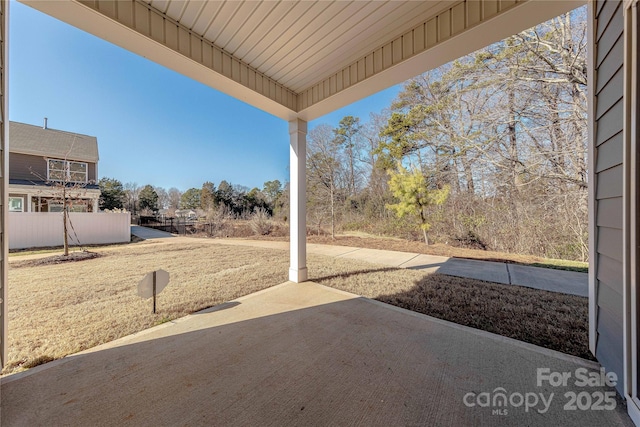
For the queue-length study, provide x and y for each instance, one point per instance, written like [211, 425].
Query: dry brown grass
[548, 319]
[56, 310]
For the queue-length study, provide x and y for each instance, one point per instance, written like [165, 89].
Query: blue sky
[153, 125]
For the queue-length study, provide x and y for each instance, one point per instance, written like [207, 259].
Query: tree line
[233, 200]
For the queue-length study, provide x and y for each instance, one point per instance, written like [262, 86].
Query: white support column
[4, 175]
[95, 205]
[298, 200]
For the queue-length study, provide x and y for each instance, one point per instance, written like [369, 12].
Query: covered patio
[300, 353]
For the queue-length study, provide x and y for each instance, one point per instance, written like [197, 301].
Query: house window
[16, 204]
[79, 206]
[55, 207]
[66, 170]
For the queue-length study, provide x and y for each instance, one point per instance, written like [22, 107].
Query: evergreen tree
[111, 193]
[148, 198]
[208, 199]
[414, 196]
[190, 199]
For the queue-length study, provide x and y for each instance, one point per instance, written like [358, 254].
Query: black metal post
[154, 292]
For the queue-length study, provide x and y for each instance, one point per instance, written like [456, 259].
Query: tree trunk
[513, 141]
[426, 239]
[468, 174]
[352, 177]
[65, 219]
[333, 229]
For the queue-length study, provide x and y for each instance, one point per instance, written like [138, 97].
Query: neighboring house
[42, 159]
[186, 213]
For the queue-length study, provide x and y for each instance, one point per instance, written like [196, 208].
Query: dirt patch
[57, 259]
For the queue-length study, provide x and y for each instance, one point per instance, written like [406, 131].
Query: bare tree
[69, 187]
[163, 197]
[132, 191]
[174, 196]
[323, 173]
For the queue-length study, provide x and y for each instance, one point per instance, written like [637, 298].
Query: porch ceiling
[298, 43]
[297, 58]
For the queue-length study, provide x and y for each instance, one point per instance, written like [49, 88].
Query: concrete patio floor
[302, 354]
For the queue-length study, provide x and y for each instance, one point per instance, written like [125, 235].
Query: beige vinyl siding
[609, 116]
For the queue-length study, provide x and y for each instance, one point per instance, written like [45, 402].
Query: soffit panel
[339, 48]
[175, 9]
[308, 30]
[264, 30]
[228, 19]
[191, 12]
[294, 42]
[230, 41]
[278, 33]
[354, 42]
[161, 5]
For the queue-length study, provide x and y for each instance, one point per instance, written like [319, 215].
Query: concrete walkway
[568, 282]
[305, 354]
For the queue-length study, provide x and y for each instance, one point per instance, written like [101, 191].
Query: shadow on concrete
[346, 362]
[355, 273]
[435, 265]
[219, 307]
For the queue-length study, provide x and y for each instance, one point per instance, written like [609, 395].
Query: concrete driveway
[149, 233]
[305, 354]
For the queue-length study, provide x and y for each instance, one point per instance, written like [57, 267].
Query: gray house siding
[91, 172]
[34, 168]
[608, 109]
[26, 167]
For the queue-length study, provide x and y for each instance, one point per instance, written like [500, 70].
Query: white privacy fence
[40, 229]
